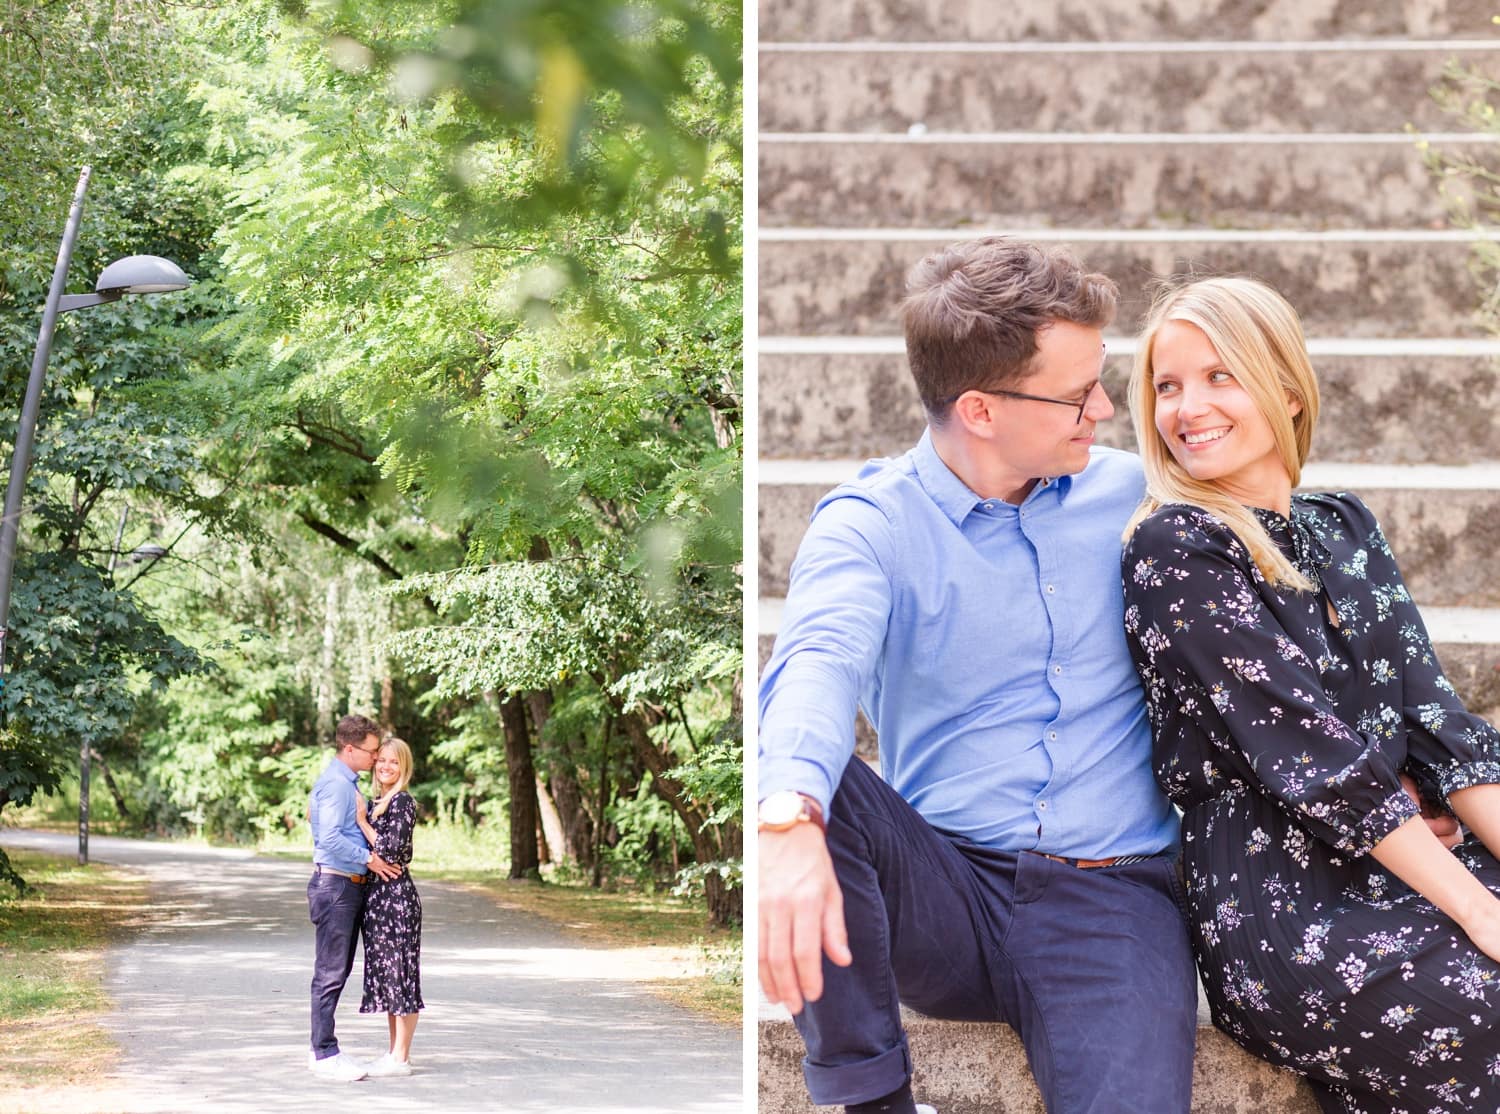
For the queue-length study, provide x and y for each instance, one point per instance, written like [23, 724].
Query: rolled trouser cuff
[841, 1084]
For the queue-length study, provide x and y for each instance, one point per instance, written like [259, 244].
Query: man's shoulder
[871, 501]
[1113, 470]
[1108, 490]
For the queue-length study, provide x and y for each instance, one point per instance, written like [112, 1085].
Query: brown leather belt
[1081, 864]
[357, 879]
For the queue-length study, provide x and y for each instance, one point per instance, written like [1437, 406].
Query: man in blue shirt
[1017, 862]
[342, 863]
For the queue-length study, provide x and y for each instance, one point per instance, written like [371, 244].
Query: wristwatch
[786, 809]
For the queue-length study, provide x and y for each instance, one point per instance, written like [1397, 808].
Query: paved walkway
[213, 1005]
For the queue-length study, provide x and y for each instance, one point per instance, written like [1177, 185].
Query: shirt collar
[338, 766]
[953, 496]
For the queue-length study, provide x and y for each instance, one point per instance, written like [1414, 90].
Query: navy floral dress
[1281, 735]
[393, 918]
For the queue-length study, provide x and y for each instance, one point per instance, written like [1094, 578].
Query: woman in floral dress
[1294, 694]
[393, 911]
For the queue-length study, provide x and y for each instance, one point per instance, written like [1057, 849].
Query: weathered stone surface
[1126, 91]
[1379, 288]
[1103, 183]
[1446, 541]
[1119, 20]
[1375, 409]
[973, 1068]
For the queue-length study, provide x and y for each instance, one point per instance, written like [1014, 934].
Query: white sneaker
[338, 1066]
[923, 1108]
[388, 1065]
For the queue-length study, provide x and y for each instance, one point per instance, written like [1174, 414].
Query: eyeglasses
[1081, 403]
[369, 750]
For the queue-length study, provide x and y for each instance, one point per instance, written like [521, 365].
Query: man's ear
[971, 410]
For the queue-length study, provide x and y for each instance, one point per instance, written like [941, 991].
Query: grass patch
[52, 943]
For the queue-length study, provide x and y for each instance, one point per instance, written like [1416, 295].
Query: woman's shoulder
[1178, 528]
[1337, 509]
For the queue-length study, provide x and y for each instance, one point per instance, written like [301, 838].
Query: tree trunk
[554, 846]
[525, 861]
[326, 661]
[724, 841]
[109, 780]
[576, 825]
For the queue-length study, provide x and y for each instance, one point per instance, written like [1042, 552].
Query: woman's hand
[361, 810]
[1444, 825]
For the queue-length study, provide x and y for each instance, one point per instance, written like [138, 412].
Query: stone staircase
[1207, 136]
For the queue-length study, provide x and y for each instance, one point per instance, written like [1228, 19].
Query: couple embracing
[1058, 642]
[361, 849]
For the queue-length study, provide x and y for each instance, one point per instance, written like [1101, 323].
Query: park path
[212, 1005]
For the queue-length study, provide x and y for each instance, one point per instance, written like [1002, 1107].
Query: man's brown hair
[353, 730]
[972, 312]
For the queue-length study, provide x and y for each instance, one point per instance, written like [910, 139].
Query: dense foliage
[447, 430]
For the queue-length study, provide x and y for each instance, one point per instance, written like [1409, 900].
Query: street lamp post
[136, 274]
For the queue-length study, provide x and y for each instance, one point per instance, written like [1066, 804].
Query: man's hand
[379, 866]
[1444, 825]
[801, 915]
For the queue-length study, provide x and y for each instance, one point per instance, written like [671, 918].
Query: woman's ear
[1293, 404]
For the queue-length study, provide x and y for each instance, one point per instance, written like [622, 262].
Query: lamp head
[141, 274]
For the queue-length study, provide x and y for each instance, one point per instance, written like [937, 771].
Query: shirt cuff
[800, 776]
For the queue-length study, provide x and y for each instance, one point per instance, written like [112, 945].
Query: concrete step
[1388, 283]
[1443, 522]
[1382, 404]
[1078, 180]
[1118, 20]
[1467, 641]
[964, 1067]
[1111, 87]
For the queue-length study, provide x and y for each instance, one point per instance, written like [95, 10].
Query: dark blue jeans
[1091, 967]
[336, 906]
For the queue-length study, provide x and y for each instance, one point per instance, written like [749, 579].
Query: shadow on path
[212, 1005]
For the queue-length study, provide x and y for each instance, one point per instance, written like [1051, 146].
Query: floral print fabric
[1281, 734]
[393, 918]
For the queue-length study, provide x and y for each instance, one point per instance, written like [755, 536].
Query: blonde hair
[1258, 337]
[403, 774]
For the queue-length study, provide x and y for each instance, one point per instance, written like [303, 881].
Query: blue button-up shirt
[337, 841]
[985, 641]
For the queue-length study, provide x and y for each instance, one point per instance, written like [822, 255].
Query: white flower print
[1146, 574]
[1399, 1017]
[1251, 671]
[1352, 970]
[1472, 977]
[1313, 939]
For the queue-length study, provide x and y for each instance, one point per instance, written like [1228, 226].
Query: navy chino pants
[1092, 968]
[336, 906]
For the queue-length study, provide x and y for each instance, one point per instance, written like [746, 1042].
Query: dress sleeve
[393, 834]
[1210, 649]
[1453, 747]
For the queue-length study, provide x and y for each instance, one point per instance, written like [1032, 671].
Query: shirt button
[1056, 669]
[1052, 735]
[1050, 589]
[1042, 805]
